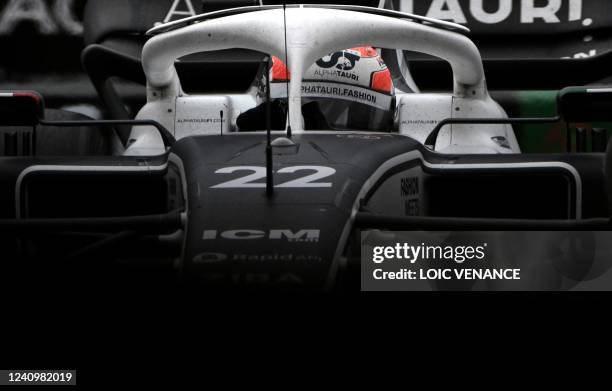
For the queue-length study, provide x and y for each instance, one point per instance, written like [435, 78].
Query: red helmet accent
[381, 81]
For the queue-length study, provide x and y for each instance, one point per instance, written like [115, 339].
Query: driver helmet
[349, 89]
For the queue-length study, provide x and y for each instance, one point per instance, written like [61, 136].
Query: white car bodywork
[312, 33]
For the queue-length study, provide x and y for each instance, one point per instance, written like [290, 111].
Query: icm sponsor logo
[300, 236]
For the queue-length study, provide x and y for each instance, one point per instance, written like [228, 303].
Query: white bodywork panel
[187, 115]
[311, 34]
[418, 114]
[202, 115]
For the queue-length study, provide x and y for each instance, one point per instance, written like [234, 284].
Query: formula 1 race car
[264, 188]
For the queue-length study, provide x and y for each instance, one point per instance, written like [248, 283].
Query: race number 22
[313, 179]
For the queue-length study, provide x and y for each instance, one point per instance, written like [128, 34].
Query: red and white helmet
[353, 89]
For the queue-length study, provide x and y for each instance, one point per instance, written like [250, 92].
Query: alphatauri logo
[531, 11]
[180, 9]
[303, 235]
[343, 60]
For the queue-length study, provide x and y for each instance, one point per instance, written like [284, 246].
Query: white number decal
[258, 173]
[308, 181]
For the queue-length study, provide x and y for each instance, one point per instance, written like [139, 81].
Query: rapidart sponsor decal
[276, 257]
[212, 258]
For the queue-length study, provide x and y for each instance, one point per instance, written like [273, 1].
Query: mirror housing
[584, 104]
[21, 108]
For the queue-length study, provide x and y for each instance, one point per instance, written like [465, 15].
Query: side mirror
[21, 108]
[583, 104]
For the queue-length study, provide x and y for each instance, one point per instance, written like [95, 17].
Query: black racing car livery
[185, 190]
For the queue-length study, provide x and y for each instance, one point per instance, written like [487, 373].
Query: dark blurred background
[41, 43]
